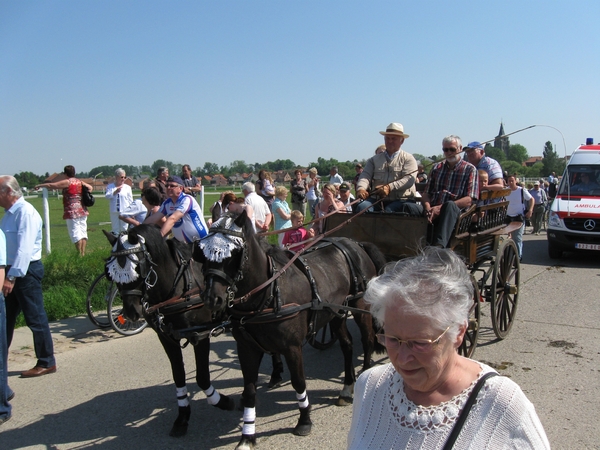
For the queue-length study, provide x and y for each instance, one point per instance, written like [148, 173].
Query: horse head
[224, 257]
[131, 267]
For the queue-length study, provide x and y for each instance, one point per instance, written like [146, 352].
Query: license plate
[587, 246]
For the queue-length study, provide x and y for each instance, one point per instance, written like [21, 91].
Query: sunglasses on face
[449, 149]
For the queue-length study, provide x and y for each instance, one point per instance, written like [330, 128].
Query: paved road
[112, 392]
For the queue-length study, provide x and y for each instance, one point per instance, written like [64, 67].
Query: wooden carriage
[480, 237]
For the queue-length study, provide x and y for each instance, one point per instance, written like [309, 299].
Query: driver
[586, 184]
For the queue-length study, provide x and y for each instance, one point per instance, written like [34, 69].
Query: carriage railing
[486, 218]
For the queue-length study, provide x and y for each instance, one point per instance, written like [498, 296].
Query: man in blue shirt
[476, 155]
[22, 287]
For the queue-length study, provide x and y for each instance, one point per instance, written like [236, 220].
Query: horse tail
[375, 254]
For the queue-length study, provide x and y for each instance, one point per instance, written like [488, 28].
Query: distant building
[531, 161]
[502, 141]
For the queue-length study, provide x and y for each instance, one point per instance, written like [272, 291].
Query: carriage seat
[490, 212]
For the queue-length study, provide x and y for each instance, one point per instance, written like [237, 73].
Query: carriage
[491, 257]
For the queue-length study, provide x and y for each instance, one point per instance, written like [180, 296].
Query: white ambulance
[574, 219]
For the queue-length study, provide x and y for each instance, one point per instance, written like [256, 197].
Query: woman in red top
[75, 212]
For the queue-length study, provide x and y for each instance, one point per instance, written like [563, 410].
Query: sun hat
[344, 187]
[475, 144]
[175, 179]
[395, 129]
[537, 183]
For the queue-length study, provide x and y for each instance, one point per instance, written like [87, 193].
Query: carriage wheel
[323, 338]
[505, 288]
[467, 348]
[118, 322]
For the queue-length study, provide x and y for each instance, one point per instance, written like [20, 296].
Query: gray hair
[248, 186]
[435, 285]
[9, 185]
[452, 139]
[119, 172]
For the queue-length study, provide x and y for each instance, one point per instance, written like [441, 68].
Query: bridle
[146, 268]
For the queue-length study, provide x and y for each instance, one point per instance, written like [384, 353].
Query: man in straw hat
[390, 175]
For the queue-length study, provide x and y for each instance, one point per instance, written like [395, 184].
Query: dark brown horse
[276, 314]
[148, 270]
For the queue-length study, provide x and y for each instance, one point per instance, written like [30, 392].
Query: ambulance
[574, 218]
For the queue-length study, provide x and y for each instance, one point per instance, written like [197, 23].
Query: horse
[148, 270]
[280, 303]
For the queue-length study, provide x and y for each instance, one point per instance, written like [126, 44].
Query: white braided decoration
[218, 246]
[126, 274]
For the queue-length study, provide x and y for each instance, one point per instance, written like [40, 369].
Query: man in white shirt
[262, 213]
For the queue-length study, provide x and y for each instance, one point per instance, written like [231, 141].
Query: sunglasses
[449, 149]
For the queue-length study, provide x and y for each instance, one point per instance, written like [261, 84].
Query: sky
[128, 82]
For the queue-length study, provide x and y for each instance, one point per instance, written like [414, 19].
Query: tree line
[511, 162]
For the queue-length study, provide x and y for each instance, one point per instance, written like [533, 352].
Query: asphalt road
[113, 392]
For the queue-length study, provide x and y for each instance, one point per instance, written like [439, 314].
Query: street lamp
[94, 183]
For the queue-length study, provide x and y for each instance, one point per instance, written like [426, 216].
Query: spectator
[421, 175]
[262, 213]
[520, 209]
[313, 194]
[217, 209]
[6, 393]
[191, 185]
[327, 205]
[182, 213]
[237, 205]
[139, 210]
[540, 200]
[390, 175]
[292, 238]
[380, 149]
[452, 186]
[359, 169]
[22, 287]
[151, 200]
[345, 196]
[265, 187]
[120, 197]
[476, 156]
[74, 212]
[162, 174]
[416, 400]
[281, 212]
[334, 176]
[299, 188]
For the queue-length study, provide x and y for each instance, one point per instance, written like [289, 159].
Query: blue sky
[108, 82]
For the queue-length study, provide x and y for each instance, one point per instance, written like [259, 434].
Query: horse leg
[202, 353]
[367, 334]
[250, 357]
[340, 328]
[296, 366]
[276, 377]
[175, 356]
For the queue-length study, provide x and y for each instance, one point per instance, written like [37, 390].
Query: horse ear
[111, 237]
[241, 219]
[133, 237]
[197, 253]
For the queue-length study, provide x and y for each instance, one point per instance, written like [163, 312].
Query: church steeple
[501, 142]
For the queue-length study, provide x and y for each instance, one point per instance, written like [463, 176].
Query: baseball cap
[475, 144]
[175, 179]
[344, 187]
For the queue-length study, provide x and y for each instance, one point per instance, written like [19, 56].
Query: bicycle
[104, 308]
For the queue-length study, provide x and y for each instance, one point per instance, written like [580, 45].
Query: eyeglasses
[416, 345]
[449, 149]
[172, 186]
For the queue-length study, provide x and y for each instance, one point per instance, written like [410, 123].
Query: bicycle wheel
[97, 300]
[117, 320]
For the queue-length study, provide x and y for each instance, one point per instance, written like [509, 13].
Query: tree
[512, 167]
[552, 162]
[495, 153]
[29, 179]
[535, 171]
[208, 169]
[517, 152]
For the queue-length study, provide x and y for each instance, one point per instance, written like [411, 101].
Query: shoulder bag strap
[465, 411]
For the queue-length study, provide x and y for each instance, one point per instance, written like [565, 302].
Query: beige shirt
[399, 173]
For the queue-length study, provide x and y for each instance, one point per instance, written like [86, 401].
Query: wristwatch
[10, 278]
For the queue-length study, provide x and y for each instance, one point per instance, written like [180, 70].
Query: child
[292, 237]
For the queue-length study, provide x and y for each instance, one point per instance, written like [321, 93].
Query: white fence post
[46, 219]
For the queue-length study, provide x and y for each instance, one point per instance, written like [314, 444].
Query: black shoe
[4, 419]
[11, 396]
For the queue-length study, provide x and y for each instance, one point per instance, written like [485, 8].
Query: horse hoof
[303, 430]
[246, 443]
[226, 403]
[275, 382]
[181, 423]
[343, 401]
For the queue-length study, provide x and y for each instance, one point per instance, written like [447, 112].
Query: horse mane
[155, 243]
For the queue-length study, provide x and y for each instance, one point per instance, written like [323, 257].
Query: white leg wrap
[182, 397]
[212, 395]
[302, 400]
[249, 421]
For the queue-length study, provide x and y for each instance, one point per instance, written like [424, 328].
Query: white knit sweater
[383, 418]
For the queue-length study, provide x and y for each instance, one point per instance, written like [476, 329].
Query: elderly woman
[281, 212]
[415, 401]
[120, 197]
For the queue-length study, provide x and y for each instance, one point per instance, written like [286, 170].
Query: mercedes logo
[589, 225]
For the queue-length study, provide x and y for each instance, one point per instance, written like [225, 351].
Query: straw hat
[395, 129]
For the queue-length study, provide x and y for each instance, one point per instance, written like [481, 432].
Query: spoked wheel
[99, 294]
[505, 288]
[118, 322]
[324, 338]
[467, 348]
